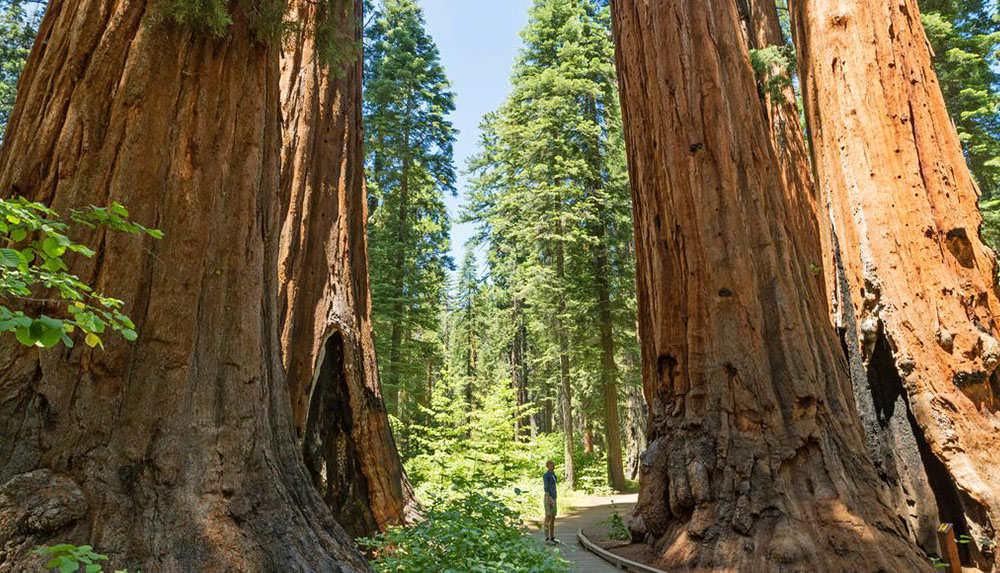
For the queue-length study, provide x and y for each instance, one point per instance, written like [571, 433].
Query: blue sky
[478, 40]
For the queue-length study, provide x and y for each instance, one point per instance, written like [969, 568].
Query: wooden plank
[948, 547]
[617, 561]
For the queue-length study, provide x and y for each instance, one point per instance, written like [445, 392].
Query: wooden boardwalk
[598, 510]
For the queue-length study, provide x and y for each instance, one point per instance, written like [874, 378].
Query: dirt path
[588, 514]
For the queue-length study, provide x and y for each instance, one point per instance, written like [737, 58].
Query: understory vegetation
[466, 531]
[522, 350]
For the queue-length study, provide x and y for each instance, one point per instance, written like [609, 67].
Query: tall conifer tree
[18, 26]
[465, 329]
[965, 36]
[549, 196]
[410, 169]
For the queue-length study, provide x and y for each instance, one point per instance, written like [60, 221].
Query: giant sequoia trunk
[892, 442]
[917, 281]
[340, 419]
[756, 459]
[174, 453]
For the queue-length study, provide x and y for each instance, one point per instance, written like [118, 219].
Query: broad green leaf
[11, 258]
[52, 247]
[50, 337]
[24, 336]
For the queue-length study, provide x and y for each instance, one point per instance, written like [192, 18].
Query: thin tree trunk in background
[176, 452]
[565, 389]
[919, 281]
[392, 368]
[549, 415]
[518, 373]
[328, 351]
[585, 423]
[533, 419]
[609, 371]
[756, 459]
[635, 431]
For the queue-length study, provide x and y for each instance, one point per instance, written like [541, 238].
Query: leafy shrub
[68, 558]
[592, 472]
[470, 532]
[473, 449]
[617, 530]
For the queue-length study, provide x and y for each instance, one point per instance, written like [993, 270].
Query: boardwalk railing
[618, 562]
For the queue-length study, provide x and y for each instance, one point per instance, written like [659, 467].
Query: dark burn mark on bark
[330, 453]
[668, 364]
[731, 370]
[958, 243]
[129, 475]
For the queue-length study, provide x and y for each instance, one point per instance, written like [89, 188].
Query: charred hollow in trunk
[323, 274]
[331, 457]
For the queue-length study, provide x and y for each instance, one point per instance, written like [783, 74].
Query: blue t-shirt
[550, 484]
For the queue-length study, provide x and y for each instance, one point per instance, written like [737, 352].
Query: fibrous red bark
[757, 460]
[339, 415]
[891, 441]
[917, 282]
[174, 453]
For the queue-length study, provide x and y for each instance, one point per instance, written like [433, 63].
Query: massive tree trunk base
[917, 283]
[227, 531]
[790, 513]
[890, 433]
[176, 452]
[757, 459]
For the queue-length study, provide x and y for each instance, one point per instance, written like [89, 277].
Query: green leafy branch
[773, 66]
[34, 242]
[68, 558]
[617, 530]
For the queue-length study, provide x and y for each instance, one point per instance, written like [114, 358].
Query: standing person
[549, 479]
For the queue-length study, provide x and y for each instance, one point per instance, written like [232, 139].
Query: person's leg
[552, 526]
